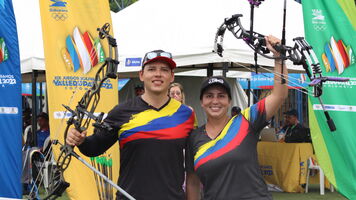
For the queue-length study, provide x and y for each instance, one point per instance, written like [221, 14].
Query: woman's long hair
[181, 90]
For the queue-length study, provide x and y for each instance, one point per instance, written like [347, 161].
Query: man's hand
[75, 138]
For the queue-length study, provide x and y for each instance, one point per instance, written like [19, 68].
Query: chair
[312, 165]
[48, 163]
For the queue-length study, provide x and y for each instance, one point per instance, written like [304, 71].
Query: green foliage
[117, 5]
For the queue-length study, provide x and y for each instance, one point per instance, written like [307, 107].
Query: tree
[117, 5]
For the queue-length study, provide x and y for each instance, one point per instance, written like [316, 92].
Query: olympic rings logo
[59, 16]
[319, 27]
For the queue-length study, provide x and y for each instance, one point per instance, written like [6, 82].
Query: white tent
[187, 28]
[29, 32]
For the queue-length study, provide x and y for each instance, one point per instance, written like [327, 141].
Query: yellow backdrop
[72, 56]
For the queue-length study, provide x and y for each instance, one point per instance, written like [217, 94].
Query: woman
[222, 154]
[176, 92]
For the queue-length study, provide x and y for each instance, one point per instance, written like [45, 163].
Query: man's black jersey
[151, 147]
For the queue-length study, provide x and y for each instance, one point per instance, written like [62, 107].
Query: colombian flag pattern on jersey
[231, 136]
[172, 122]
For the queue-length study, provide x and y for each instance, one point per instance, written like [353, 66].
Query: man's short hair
[236, 109]
[139, 86]
[43, 115]
[292, 112]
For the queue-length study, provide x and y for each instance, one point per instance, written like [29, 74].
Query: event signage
[133, 62]
[10, 105]
[265, 81]
[330, 28]
[26, 89]
[73, 55]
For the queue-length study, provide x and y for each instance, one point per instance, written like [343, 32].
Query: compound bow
[300, 54]
[81, 117]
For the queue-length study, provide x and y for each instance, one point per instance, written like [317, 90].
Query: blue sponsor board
[26, 89]
[265, 81]
[122, 83]
[133, 62]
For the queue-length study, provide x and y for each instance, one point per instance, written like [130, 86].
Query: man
[151, 130]
[43, 132]
[294, 131]
[235, 111]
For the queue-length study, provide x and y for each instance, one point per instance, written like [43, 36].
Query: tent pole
[41, 95]
[34, 107]
[225, 68]
[210, 70]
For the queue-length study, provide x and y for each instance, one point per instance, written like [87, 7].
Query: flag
[330, 29]
[10, 105]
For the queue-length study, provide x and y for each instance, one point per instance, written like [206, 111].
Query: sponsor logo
[337, 56]
[9, 110]
[301, 164]
[82, 51]
[59, 10]
[318, 20]
[133, 62]
[59, 16]
[344, 108]
[58, 3]
[66, 115]
[330, 107]
[266, 170]
[4, 55]
[216, 80]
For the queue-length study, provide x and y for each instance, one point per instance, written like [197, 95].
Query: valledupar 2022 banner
[73, 55]
[10, 105]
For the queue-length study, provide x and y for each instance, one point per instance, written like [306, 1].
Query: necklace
[212, 130]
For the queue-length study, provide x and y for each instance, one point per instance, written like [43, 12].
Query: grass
[313, 194]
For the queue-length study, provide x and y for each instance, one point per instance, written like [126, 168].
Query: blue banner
[265, 81]
[122, 83]
[10, 105]
[26, 89]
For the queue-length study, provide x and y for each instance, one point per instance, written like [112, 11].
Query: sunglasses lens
[151, 55]
[166, 54]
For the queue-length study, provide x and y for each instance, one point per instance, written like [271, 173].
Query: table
[284, 164]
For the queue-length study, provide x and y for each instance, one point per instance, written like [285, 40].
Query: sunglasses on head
[154, 54]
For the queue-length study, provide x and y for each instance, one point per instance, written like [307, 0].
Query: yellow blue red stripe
[174, 121]
[231, 136]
